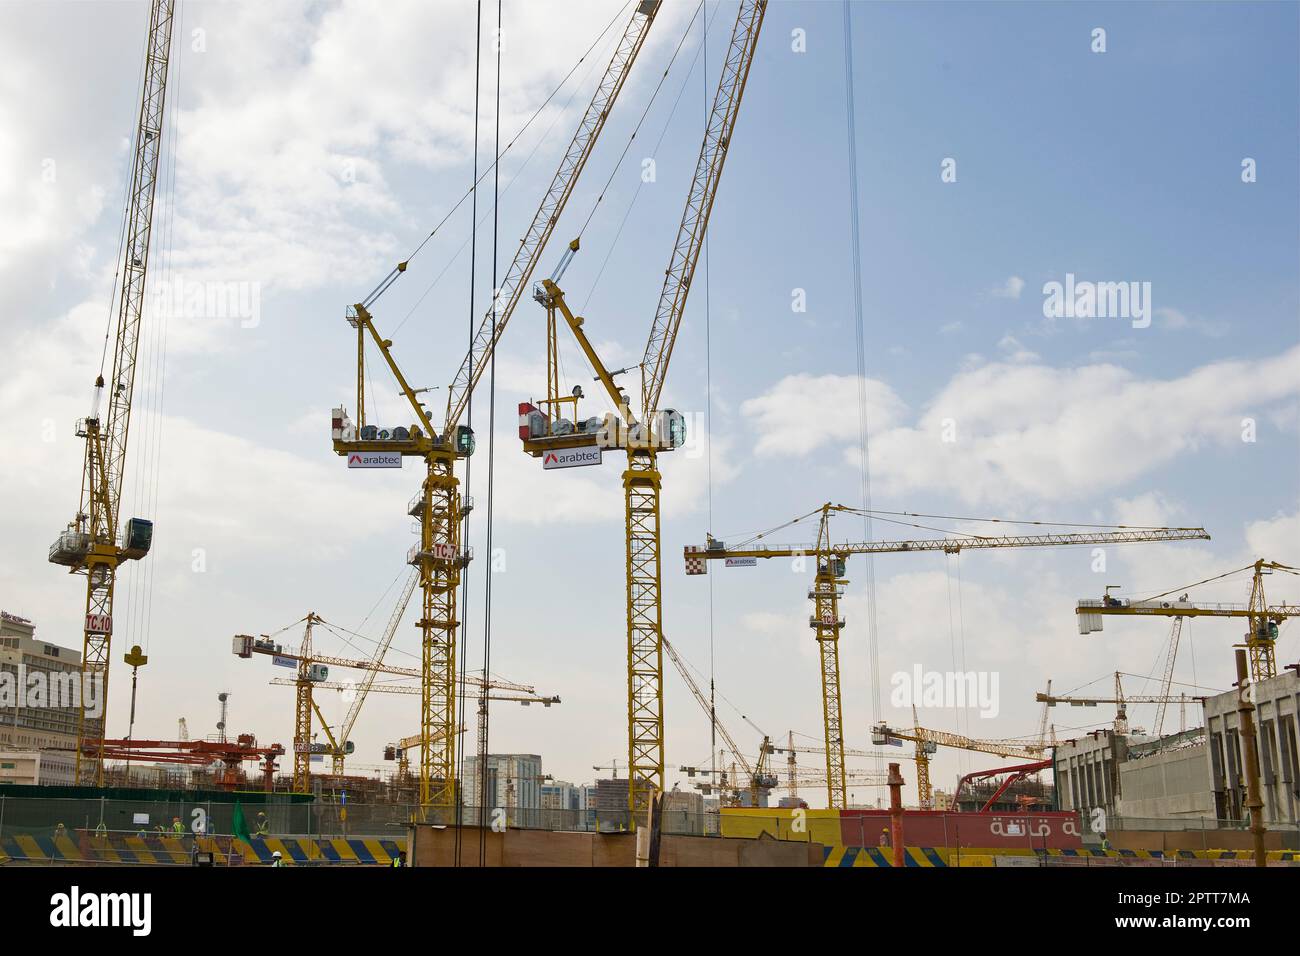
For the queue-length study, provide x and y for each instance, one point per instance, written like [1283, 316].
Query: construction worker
[885, 841]
[276, 859]
[60, 830]
[1105, 844]
[261, 829]
[400, 859]
[176, 826]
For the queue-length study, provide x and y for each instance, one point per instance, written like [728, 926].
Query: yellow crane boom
[1263, 618]
[829, 582]
[927, 741]
[1121, 702]
[94, 543]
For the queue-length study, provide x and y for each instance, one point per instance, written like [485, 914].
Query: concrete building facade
[513, 780]
[27, 719]
[1277, 703]
[34, 768]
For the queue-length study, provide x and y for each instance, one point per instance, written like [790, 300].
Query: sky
[311, 146]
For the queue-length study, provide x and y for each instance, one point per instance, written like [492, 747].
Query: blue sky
[316, 144]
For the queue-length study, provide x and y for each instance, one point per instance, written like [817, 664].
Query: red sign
[99, 623]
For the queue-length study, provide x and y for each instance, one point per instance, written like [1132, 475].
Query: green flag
[238, 825]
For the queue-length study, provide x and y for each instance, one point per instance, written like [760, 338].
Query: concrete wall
[436, 846]
[1173, 784]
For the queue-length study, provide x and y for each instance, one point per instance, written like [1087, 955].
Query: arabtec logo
[375, 459]
[571, 458]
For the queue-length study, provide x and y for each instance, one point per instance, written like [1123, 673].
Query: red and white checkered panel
[695, 565]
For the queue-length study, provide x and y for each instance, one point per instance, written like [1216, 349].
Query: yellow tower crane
[1263, 619]
[340, 744]
[440, 556]
[554, 439]
[1120, 700]
[313, 672]
[95, 544]
[928, 741]
[792, 778]
[523, 695]
[757, 776]
[828, 587]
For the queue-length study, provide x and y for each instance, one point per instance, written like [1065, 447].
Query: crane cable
[160, 348]
[636, 129]
[485, 697]
[459, 743]
[864, 425]
[708, 398]
[397, 270]
[609, 251]
[147, 397]
[543, 138]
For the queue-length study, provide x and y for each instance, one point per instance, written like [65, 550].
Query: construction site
[346, 626]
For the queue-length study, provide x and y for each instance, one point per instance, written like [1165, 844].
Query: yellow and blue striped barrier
[164, 850]
[925, 856]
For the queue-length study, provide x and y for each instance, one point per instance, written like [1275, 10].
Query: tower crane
[440, 555]
[313, 671]
[523, 695]
[549, 435]
[757, 776]
[1263, 619]
[96, 543]
[792, 780]
[928, 741]
[1120, 700]
[368, 680]
[829, 582]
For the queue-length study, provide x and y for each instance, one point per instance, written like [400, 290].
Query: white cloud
[1015, 350]
[1176, 320]
[1010, 289]
[1029, 429]
[802, 412]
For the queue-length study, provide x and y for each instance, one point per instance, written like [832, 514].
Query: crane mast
[543, 434]
[93, 543]
[440, 555]
[641, 480]
[828, 587]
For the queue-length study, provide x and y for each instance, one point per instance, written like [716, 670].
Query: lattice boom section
[644, 634]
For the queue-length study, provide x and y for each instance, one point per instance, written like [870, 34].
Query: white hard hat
[276, 854]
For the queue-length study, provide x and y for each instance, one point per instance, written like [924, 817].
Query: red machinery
[229, 753]
[1014, 775]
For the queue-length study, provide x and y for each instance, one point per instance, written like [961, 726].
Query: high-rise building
[38, 681]
[562, 806]
[514, 785]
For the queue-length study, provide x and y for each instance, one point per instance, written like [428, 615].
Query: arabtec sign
[375, 459]
[742, 562]
[571, 458]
